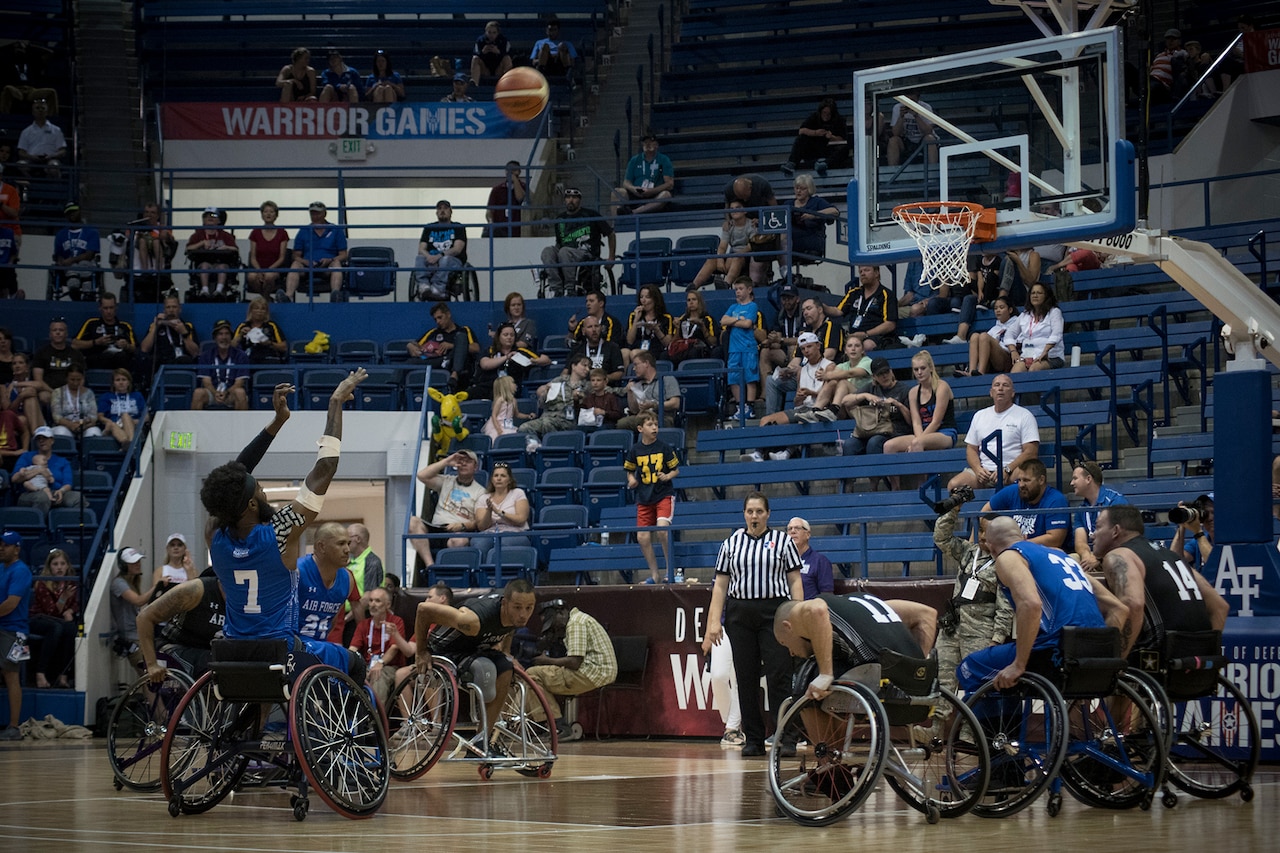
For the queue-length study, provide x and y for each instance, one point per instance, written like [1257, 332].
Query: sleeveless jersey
[862, 625]
[319, 605]
[455, 644]
[197, 628]
[262, 594]
[1066, 596]
[1173, 601]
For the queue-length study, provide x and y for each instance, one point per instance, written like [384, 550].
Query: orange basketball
[522, 94]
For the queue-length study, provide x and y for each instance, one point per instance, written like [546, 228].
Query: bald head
[332, 547]
[1003, 531]
[359, 535]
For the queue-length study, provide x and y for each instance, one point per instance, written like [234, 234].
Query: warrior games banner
[267, 122]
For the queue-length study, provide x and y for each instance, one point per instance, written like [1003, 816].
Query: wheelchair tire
[198, 767]
[946, 776]
[1112, 764]
[835, 774]
[136, 730]
[339, 741]
[421, 713]
[517, 735]
[1199, 763]
[1025, 729]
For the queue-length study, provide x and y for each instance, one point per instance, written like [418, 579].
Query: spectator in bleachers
[649, 327]
[318, 246]
[649, 180]
[984, 282]
[1039, 343]
[844, 378]
[384, 85]
[212, 247]
[755, 192]
[651, 464]
[611, 328]
[340, 82]
[695, 330]
[121, 411]
[56, 470]
[822, 141]
[743, 325]
[600, 353]
[106, 341]
[1030, 491]
[8, 258]
[383, 642]
[992, 351]
[870, 310]
[553, 56]
[559, 400]
[224, 374]
[75, 408]
[261, 337]
[52, 360]
[268, 248]
[455, 510]
[505, 509]
[1086, 482]
[601, 400]
[816, 574]
[1074, 260]
[6, 360]
[1194, 537]
[178, 566]
[491, 57]
[1169, 69]
[15, 436]
[1021, 270]
[21, 73]
[803, 373]
[171, 339]
[908, 130]
[1198, 63]
[1020, 440]
[885, 391]
[502, 211]
[41, 145]
[648, 392]
[128, 596]
[505, 358]
[810, 215]
[917, 297]
[578, 233]
[505, 411]
[526, 327]
[15, 602]
[933, 416]
[153, 243]
[442, 251]
[10, 211]
[39, 484]
[458, 94]
[735, 241]
[55, 618]
[24, 395]
[76, 251]
[447, 347]
[297, 80]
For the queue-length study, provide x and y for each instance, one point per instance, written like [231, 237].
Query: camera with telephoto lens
[958, 497]
[1184, 514]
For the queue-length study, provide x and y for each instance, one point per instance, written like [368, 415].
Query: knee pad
[485, 676]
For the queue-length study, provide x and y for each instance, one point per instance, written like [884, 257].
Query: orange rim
[945, 212]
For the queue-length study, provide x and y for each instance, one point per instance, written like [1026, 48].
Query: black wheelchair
[445, 709]
[76, 283]
[858, 733]
[246, 717]
[230, 292]
[138, 724]
[464, 286]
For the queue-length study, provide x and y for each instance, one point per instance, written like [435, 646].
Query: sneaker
[828, 414]
[820, 167]
[280, 296]
[788, 168]
[733, 738]
[780, 456]
[956, 340]
[753, 456]
[752, 750]
[11, 733]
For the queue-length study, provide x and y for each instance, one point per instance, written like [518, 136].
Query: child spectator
[39, 483]
[601, 401]
[651, 465]
[502, 419]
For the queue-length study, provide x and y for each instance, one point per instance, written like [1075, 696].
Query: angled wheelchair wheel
[339, 741]
[1116, 750]
[1216, 744]
[519, 735]
[421, 715]
[1025, 729]
[834, 775]
[940, 770]
[199, 762]
[136, 730]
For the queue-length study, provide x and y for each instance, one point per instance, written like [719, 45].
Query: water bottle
[839, 444]
[490, 331]
[531, 445]
[679, 575]
[604, 536]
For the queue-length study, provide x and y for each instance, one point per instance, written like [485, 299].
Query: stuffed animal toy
[449, 424]
[318, 344]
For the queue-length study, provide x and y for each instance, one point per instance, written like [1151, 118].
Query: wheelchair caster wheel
[1145, 804]
[175, 807]
[486, 771]
[1246, 793]
[932, 813]
[544, 771]
[300, 809]
[119, 786]
[293, 800]
[1169, 799]
[575, 731]
[1055, 804]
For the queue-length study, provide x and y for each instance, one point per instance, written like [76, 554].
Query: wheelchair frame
[138, 725]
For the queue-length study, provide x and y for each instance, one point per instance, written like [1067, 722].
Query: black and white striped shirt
[758, 567]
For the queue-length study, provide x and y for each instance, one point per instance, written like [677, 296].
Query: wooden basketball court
[675, 795]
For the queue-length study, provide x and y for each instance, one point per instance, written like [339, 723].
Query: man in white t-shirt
[805, 367]
[456, 506]
[1020, 440]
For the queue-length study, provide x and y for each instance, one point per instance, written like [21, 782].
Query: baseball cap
[879, 364]
[1173, 33]
[807, 338]
[131, 555]
[472, 454]
[573, 191]
[461, 78]
[173, 536]
[211, 211]
[317, 205]
[11, 537]
[43, 432]
[788, 290]
[551, 603]
[221, 324]
[70, 206]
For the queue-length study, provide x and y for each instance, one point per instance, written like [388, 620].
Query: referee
[757, 569]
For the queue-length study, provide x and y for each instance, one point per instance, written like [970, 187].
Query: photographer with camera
[977, 615]
[1194, 539]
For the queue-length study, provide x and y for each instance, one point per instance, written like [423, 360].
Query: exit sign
[352, 149]
[181, 441]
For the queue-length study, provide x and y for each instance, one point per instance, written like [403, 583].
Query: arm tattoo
[1117, 572]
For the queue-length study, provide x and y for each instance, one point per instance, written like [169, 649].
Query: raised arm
[257, 448]
[310, 499]
[182, 598]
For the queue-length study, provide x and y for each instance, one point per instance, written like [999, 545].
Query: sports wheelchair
[1077, 720]
[858, 733]
[138, 724]
[464, 286]
[424, 720]
[319, 730]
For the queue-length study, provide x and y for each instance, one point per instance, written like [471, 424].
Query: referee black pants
[749, 624]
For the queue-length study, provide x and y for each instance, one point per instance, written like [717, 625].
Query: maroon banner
[1261, 51]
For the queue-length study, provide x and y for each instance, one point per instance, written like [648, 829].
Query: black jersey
[862, 625]
[455, 644]
[198, 627]
[1173, 601]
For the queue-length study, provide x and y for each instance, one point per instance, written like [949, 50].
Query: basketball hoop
[943, 230]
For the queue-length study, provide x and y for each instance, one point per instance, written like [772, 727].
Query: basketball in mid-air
[522, 93]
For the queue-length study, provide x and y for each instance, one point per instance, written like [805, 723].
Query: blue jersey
[740, 339]
[1087, 517]
[1066, 596]
[319, 604]
[262, 593]
[70, 242]
[1009, 500]
[8, 244]
[15, 579]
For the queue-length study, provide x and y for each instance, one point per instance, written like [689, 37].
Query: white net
[943, 230]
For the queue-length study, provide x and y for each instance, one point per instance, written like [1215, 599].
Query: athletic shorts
[647, 515]
[743, 366]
